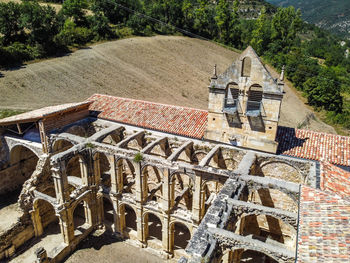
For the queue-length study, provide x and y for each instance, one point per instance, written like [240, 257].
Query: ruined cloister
[189, 185]
[150, 188]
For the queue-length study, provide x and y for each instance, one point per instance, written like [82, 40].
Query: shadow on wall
[287, 139]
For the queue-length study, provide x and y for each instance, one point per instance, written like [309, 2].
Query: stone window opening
[231, 103]
[254, 106]
[246, 67]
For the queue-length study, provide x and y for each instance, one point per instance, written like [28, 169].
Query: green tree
[261, 35]
[323, 91]
[286, 23]
[41, 22]
[223, 19]
[10, 25]
[75, 9]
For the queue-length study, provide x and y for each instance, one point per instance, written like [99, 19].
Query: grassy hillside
[332, 15]
[165, 69]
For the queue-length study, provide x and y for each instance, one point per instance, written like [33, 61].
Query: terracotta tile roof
[38, 114]
[324, 232]
[335, 180]
[314, 145]
[183, 121]
[192, 123]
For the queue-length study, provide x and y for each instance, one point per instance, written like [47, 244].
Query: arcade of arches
[154, 191]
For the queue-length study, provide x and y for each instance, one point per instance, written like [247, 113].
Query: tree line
[315, 60]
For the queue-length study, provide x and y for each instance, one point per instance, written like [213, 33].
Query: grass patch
[9, 113]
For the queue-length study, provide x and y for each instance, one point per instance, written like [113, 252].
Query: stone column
[120, 176]
[116, 225]
[83, 172]
[114, 181]
[197, 199]
[140, 225]
[97, 170]
[121, 216]
[36, 219]
[61, 182]
[166, 235]
[166, 198]
[67, 226]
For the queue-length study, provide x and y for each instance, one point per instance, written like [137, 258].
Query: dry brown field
[166, 69]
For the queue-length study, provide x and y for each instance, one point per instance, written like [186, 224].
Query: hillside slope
[332, 15]
[166, 69]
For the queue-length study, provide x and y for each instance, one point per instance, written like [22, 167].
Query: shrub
[138, 157]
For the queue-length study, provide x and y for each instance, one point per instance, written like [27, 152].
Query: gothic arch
[60, 145]
[296, 176]
[152, 183]
[180, 235]
[181, 190]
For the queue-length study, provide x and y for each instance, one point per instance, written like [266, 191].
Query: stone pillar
[88, 214]
[99, 209]
[61, 182]
[36, 219]
[197, 199]
[140, 225]
[166, 200]
[121, 216]
[119, 168]
[116, 220]
[97, 170]
[166, 235]
[67, 226]
[84, 172]
[114, 181]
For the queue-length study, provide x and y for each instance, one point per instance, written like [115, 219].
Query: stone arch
[152, 228]
[23, 162]
[273, 197]
[281, 170]
[265, 227]
[198, 156]
[81, 220]
[75, 166]
[231, 94]
[44, 218]
[152, 179]
[127, 220]
[180, 235]
[105, 170]
[126, 176]
[181, 191]
[246, 67]
[32, 149]
[61, 145]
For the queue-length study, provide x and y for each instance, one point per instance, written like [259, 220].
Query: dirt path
[167, 69]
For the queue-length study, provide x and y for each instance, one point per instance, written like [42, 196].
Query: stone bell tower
[244, 105]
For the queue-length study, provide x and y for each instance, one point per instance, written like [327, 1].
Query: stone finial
[282, 73]
[215, 76]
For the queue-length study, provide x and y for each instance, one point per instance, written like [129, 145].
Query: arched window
[254, 106]
[231, 98]
[246, 67]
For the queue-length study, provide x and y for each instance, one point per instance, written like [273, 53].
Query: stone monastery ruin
[223, 185]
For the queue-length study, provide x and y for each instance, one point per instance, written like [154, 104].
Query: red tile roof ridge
[145, 101]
